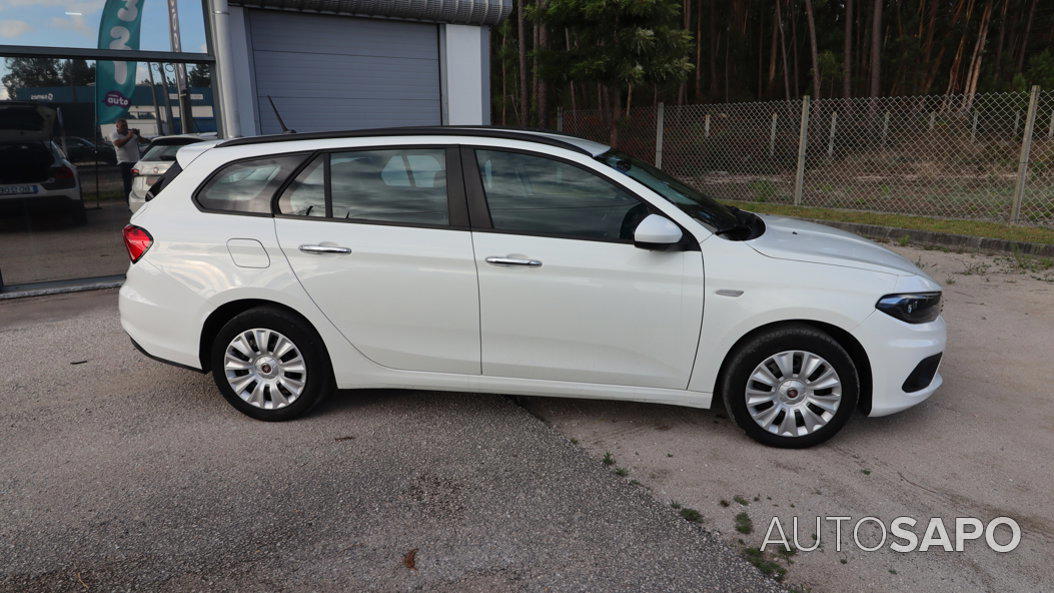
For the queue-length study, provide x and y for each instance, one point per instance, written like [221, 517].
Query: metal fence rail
[987, 156]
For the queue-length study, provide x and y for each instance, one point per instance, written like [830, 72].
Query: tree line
[613, 54]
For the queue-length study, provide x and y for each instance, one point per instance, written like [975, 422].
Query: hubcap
[265, 368]
[793, 393]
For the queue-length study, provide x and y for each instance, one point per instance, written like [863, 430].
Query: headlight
[918, 307]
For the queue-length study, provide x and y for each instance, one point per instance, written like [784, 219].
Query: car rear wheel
[269, 366]
[793, 386]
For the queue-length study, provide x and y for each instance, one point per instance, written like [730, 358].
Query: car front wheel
[792, 386]
[269, 365]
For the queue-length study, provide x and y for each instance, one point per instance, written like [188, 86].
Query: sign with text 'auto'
[115, 81]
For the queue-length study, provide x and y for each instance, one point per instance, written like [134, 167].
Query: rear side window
[247, 186]
[400, 186]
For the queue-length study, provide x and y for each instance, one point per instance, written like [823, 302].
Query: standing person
[126, 144]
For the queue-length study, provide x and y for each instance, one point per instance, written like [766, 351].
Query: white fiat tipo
[517, 262]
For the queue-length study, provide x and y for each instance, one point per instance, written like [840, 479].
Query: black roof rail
[481, 131]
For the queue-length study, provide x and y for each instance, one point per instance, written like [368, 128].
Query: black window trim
[479, 209]
[457, 207]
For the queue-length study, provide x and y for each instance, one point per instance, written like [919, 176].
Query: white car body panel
[593, 312]
[596, 320]
[405, 296]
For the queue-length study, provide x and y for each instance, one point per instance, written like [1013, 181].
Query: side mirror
[657, 232]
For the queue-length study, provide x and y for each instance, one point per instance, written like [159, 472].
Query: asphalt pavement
[119, 473]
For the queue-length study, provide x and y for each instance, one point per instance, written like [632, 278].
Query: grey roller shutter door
[341, 73]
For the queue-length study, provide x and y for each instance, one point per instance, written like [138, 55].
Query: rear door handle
[514, 261]
[324, 249]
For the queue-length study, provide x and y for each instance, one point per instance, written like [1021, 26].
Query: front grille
[923, 374]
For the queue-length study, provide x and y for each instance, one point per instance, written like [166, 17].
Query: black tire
[747, 356]
[319, 381]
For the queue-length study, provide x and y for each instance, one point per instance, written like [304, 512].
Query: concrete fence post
[1050, 128]
[830, 135]
[1026, 149]
[559, 118]
[803, 141]
[885, 129]
[660, 117]
[933, 119]
[1017, 122]
[772, 135]
[973, 128]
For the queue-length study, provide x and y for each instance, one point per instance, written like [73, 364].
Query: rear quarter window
[248, 185]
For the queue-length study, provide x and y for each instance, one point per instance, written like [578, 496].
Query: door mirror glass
[657, 232]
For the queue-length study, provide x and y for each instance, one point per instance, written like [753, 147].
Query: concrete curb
[44, 289]
[964, 242]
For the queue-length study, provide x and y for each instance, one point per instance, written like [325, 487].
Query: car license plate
[151, 179]
[8, 190]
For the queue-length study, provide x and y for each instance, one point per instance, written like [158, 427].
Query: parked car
[34, 173]
[82, 150]
[155, 161]
[519, 262]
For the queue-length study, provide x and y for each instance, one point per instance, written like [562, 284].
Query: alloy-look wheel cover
[265, 368]
[793, 393]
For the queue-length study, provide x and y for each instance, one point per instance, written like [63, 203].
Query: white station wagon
[517, 262]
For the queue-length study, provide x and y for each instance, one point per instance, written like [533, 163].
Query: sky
[75, 23]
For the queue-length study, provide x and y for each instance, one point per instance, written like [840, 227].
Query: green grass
[975, 228]
[744, 524]
[767, 567]
[691, 515]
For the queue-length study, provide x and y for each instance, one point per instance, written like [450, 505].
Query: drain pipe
[224, 68]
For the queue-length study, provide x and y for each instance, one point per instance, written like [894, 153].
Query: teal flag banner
[115, 81]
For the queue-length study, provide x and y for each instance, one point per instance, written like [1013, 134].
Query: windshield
[165, 152]
[700, 207]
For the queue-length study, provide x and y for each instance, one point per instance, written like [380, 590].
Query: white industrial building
[346, 64]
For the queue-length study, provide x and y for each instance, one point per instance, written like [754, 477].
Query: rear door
[379, 239]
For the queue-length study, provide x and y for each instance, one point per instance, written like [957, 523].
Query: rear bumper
[166, 333]
[895, 349]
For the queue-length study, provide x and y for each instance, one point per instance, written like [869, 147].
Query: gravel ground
[982, 447]
[122, 474]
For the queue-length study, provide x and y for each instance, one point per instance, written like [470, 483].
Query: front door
[564, 294]
[383, 249]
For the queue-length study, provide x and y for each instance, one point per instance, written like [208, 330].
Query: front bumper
[895, 349]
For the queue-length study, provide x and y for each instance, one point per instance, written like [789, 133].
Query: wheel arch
[228, 311]
[844, 338]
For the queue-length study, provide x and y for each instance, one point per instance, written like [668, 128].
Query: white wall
[244, 89]
[464, 74]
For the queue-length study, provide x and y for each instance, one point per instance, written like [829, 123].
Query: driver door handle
[324, 249]
[514, 261]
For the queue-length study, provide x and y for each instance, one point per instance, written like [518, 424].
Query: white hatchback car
[518, 262]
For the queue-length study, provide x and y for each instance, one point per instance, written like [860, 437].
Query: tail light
[137, 241]
[61, 177]
[135, 171]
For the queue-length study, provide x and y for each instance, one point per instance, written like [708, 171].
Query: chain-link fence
[956, 156]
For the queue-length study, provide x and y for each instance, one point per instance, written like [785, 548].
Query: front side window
[697, 205]
[531, 194]
[247, 186]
